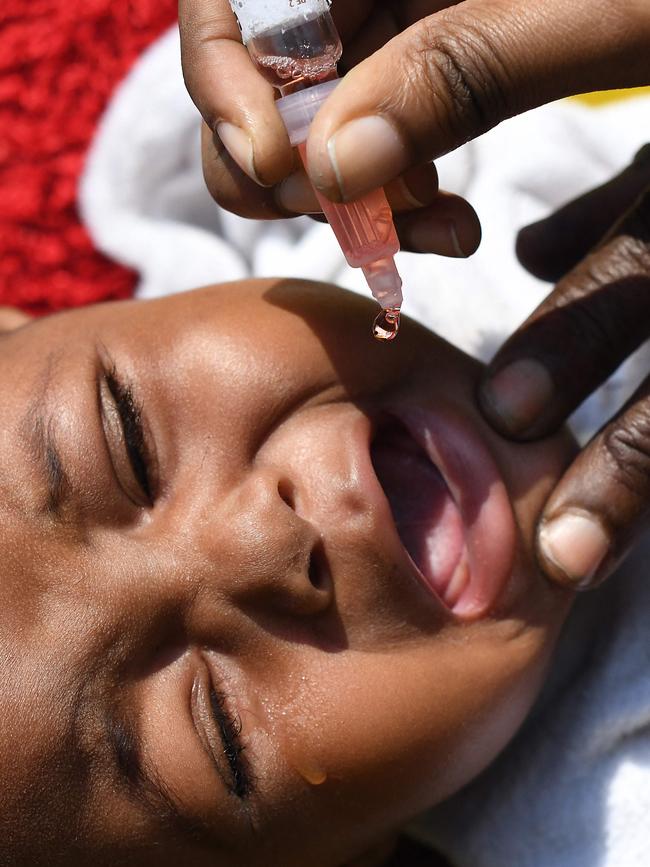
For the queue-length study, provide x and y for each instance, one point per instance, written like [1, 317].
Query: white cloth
[574, 789]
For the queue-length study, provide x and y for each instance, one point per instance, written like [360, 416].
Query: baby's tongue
[426, 516]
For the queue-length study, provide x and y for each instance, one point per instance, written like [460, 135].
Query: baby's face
[216, 648]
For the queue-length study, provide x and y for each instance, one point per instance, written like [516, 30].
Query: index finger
[596, 317]
[236, 101]
[554, 245]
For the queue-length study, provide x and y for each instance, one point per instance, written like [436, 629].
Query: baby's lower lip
[453, 513]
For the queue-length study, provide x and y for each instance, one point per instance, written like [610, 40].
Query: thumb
[601, 507]
[457, 73]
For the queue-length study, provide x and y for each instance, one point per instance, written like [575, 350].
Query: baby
[268, 588]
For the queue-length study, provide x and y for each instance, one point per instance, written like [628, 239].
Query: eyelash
[230, 726]
[131, 418]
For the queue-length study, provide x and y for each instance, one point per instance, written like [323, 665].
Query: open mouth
[427, 517]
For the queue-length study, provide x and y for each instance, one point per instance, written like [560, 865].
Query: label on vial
[259, 16]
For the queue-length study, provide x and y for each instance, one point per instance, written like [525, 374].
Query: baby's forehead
[45, 770]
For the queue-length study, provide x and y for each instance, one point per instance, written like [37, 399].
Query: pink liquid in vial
[298, 56]
[366, 233]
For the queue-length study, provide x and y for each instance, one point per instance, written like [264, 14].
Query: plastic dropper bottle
[295, 45]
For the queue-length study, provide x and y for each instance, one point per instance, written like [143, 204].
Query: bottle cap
[257, 17]
[300, 108]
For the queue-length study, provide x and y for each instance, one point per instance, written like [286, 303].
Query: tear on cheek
[310, 771]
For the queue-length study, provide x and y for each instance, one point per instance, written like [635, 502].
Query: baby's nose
[269, 556]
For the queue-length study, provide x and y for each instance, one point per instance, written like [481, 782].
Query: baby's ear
[11, 318]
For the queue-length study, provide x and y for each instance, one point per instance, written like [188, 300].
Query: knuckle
[635, 255]
[457, 68]
[627, 448]
[625, 256]
[604, 305]
[590, 323]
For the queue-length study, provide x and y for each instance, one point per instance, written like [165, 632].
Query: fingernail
[240, 147]
[364, 154]
[436, 236]
[296, 195]
[419, 186]
[577, 545]
[412, 197]
[518, 394]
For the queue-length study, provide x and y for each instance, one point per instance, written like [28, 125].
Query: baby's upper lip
[471, 474]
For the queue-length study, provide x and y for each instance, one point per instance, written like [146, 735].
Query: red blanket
[60, 61]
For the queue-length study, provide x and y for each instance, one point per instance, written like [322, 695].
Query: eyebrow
[148, 789]
[48, 454]
[40, 429]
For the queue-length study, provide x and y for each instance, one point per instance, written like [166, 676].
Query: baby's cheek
[404, 729]
[502, 681]
[364, 741]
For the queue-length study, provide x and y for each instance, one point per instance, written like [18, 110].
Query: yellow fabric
[596, 99]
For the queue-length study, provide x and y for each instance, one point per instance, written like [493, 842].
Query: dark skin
[404, 853]
[215, 649]
[271, 183]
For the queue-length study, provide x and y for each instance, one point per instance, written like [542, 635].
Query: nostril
[318, 570]
[287, 492]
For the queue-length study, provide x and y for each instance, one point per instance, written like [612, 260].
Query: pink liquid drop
[386, 325]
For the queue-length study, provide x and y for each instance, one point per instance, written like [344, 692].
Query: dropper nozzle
[385, 282]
